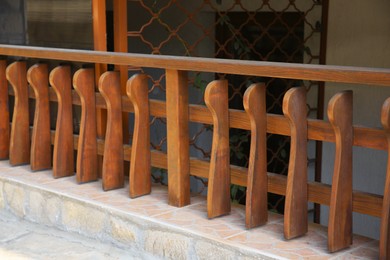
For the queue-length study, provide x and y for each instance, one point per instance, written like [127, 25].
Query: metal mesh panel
[282, 30]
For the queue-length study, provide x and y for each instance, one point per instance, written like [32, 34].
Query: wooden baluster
[112, 172]
[178, 138]
[140, 163]
[86, 167]
[20, 131]
[38, 77]
[63, 156]
[4, 110]
[295, 213]
[218, 194]
[256, 210]
[384, 241]
[340, 209]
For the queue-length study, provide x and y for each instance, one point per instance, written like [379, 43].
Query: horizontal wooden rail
[363, 202]
[276, 124]
[344, 74]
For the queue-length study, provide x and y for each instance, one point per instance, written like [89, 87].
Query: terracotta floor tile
[230, 228]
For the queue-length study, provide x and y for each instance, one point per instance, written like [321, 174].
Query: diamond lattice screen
[279, 30]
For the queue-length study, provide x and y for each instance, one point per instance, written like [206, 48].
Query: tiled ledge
[149, 224]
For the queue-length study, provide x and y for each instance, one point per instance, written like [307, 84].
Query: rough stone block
[14, 197]
[43, 208]
[2, 201]
[123, 231]
[205, 250]
[166, 244]
[53, 210]
[81, 218]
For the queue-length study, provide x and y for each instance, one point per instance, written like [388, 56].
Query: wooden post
[178, 138]
[340, 209]
[112, 172]
[20, 131]
[256, 210]
[295, 212]
[120, 45]
[83, 82]
[218, 193]
[384, 241]
[99, 33]
[140, 163]
[100, 44]
[63, 155]
[38, 77]
[4, 110]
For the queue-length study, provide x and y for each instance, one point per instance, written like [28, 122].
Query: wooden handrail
[179, 113]
[343, 74]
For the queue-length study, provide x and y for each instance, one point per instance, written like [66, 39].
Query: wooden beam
[342, 74]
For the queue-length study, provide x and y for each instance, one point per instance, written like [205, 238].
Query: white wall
[359, 35]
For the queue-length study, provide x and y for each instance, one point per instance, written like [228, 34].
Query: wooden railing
[56, 86]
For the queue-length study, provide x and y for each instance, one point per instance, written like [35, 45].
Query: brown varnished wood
[140, 167]
[99, 25]
[112, 172]
[120, 45]
[99, 34]
[373, 138]
[295, 211]
[20, 131]
[340, 210]
[363, 202]
[314, 72]
[63, 155]
[38, 77]
[4, 108]
[86, 168]
[256, 210]
[218, 193]
[384, 241]
[178, 138]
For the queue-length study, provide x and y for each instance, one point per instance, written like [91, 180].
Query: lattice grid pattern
[287, 31]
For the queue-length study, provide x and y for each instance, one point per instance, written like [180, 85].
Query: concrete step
[148, 227]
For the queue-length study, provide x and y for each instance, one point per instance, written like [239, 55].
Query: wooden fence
[56, 86]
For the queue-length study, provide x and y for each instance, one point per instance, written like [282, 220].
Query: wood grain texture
[363, 202]
[384, 241]
[86, 168]
[218, 192]
[319, 130]
[140, 167]
[63, 155]
[178, 138]
[121, 45]
[99, 34]
[20, 132]
[112, 172]
[256, 210]
[4, 108]
[38, 77]
[340, 210]
[314, 72]
[99, 25]
[295, 211]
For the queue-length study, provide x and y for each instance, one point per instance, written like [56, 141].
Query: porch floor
[148, 224]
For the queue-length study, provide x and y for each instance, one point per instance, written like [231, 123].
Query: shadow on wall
[12, 22]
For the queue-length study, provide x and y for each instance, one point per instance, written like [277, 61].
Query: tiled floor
[268, 238]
